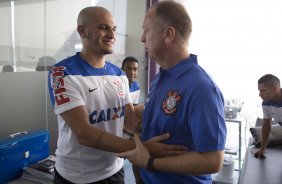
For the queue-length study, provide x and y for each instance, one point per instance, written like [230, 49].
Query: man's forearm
[112, 143]
[105, 141]
[192, 163]
[133, 115]
[266, 127]
[139, 110]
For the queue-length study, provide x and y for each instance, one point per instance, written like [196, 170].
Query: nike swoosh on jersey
[91, 90]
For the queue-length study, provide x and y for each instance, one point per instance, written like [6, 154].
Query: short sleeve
[63, 90]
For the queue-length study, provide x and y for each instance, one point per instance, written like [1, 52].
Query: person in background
[183, 100]
[91, 99]
[130, 67]
[271, 94]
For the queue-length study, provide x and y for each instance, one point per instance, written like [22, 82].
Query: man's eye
[106, 28]
[103, 27]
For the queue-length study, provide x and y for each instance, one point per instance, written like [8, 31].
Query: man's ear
[169, 34]
[83, 31]
[277, 88]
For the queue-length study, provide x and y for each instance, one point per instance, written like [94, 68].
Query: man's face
[152, 37]
[266, 92]
[101, 35]
[131, 70]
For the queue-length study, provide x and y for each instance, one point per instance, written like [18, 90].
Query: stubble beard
[105, 51]
[97, 41]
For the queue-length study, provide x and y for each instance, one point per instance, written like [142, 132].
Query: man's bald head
[96, 27]
[89, 14]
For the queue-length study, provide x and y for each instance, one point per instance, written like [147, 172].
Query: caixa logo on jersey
[106, 115]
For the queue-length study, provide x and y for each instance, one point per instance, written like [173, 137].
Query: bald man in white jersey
[91, 99]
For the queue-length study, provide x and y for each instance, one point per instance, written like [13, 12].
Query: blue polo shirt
[185, 102]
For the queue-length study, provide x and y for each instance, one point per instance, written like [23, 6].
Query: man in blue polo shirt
[183, 101]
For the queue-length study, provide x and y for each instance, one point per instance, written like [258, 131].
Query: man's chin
[108, 51]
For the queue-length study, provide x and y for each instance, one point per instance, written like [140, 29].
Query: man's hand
[153, 147]
[259, 154]
[138, 156]
[158, 149]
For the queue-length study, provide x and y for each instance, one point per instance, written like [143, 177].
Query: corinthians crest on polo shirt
[170, 103]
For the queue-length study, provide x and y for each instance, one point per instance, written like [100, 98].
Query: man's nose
[131, 72]
[260, 95]
[111, 33]
[143, 38]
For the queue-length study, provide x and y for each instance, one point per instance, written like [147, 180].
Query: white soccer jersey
[104, 92]
[272, 109]
[134, 92]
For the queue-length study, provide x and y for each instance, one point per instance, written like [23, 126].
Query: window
[237, 42]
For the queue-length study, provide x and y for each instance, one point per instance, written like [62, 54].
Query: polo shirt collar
[182, 66]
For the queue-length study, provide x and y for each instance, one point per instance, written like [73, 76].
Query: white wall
[134, 46]
[135, 16]
[237, 42]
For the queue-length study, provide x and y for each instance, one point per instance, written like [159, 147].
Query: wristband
[127, 135]
[150, 164]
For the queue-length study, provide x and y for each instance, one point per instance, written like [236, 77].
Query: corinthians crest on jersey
[170, 103]
[119, 88]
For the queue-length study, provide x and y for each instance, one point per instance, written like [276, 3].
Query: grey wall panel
[24, 104]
